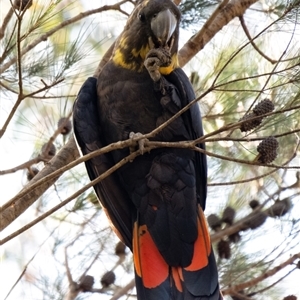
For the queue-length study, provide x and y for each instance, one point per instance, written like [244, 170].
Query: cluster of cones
[255, 219]
[48, 150]
[86, 282]
[267, 149]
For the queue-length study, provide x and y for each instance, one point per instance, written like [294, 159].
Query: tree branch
[19, 204]
[221, 17]
[21, 97]
[15, 209]
[46, 35]
[69, 152]
[66, 155]
[123, 291]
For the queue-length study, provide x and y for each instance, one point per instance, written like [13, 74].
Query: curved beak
[163, 26]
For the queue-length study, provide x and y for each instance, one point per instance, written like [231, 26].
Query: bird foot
[155, 59]
[140, 142]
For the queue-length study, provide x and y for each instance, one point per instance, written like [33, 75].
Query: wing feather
[113, 198]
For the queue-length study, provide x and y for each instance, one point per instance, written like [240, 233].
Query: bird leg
[155, 59]
[140, 143]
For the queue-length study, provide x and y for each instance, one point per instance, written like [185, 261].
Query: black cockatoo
[156, 202]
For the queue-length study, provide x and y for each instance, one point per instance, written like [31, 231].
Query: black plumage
[155, 202]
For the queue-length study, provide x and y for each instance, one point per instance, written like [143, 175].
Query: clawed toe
[140, 142]
[157, 58]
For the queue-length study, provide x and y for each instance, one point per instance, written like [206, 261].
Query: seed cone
[31, 173]
[51, 150]
[86, 283]
[263, 107]
[66, 125]
[120, 249]
[267, 150]
[291, 297]
[223, 248]
[22, 4]
[108, 278]
[214, 222]
[250, 124]
[280, 208]
[228, 215]
[253, 203]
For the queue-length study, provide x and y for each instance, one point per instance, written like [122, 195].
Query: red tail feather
[148, 262]
[157, 280]
[202, 247]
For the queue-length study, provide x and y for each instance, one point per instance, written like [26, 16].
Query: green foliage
[194, 11]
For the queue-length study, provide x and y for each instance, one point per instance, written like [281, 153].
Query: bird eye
[142, 17]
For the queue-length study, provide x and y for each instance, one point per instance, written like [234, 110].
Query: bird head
[153, 24]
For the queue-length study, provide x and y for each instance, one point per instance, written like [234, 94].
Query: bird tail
[156, 280]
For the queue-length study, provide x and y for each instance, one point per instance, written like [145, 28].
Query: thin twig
[244, 26]
[123, 291]
[148, 145]
[224, 13]
[20, 99]
[129, 142]
[246, 44]
[73, 196]
[63, 24]
[259, 292]
[255, 281]
[42, 184]
[24, 165]
[27, 264]
[40, 157]
[240, 296]
[242, 223]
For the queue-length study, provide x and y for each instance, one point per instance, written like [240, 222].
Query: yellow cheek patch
[174, 64]
[119, 60]
[166, 70]
[142, 52]
[135, 64]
